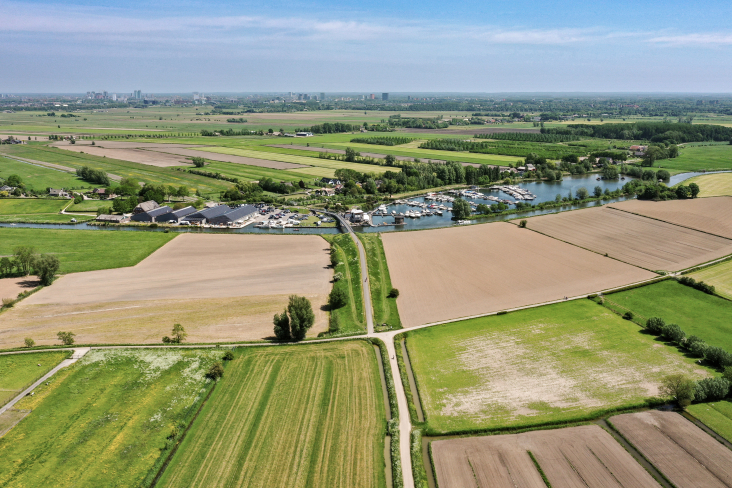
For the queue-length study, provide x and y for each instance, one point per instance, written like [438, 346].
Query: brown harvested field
[686, 455]
[164, 155]
[10, 287]
[712, 215]
[463, 271]
[220, 287]
[633, 239]
[572, 457]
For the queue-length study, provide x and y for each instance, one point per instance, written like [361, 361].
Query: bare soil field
[458, 272]
[686, 455]
[573, 457]
[164, 155]
[10, 287]
[220, 287]
[631, 238]
[712, 215]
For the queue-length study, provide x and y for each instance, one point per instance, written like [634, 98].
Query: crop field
[684, 453]
[385, 308]
[350, 317]
[719, 275]
[255, 173]
[699, 158]
[716, 415]
[634, 239]
[105, 420]
[714, 185]
[81, 250]
[459, 272]
[19, 371]
[709, 215]
[696, 312]
[39, 178]
[125, 151]
[290, 416]
[10, 287]
[219, 287]
[554, 363]
[575, 456]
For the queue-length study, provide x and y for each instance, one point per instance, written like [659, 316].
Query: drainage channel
[412, 382]
[706, 429]
[387, 409]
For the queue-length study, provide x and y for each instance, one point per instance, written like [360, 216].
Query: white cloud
[711, 39]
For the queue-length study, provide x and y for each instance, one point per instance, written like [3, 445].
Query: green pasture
[33, 210]
[349, 318]
[85, 250]
[697, 313]
[107, 420]
[384, 308]
[717, 416]
[246, 172]
[89, 206]
[719, 275]
[39, 178]
[700, 158]
[19, 371]
[556, 363]
[289, 417]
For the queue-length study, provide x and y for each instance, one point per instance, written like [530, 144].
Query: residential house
[146, 207]
[58, 193]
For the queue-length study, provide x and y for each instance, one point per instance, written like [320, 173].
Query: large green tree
[24, 258]
[301, 316]
[282, 326]
[46, 267]
[460, 209]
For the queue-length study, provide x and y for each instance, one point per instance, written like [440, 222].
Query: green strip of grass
[19, 371]
[385, 308]
[85, 250]
[717, 416]
[349, 318]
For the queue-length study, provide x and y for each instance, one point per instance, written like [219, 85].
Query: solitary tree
[29, 342]
[460, 209]
[301, 315]
[337, 298]
[680, 388]
[198, 162]
[67, 338]
[393, 293]
[46, 267]
[178, 336]
[216, 371]
[597, 192]
[582, 193]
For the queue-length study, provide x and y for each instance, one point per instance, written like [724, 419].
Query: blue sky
[397, 46]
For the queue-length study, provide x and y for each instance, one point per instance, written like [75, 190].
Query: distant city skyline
[349, 46]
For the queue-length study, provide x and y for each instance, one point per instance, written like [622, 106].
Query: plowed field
[574, 457]
[458, 272]
[293, 416]
[711, 215]
[685, 454]
[220, 287]
[634, 239]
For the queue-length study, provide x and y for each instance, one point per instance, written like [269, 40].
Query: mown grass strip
[350, 317]
[384, 308]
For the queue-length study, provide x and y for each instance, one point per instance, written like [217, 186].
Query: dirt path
[78, 354]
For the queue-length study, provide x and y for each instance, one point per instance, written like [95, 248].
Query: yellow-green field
[289, 416]
[19, 371]
[713, 185]
[719, 275]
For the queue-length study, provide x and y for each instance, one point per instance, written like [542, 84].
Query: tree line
[93, 175]
[528, 137]
[673, 133]
[27, 261]
[383, 141]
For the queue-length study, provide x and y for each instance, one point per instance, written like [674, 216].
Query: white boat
[417, 214]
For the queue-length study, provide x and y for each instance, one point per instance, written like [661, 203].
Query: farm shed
[114, 219]
[176, 215]
[204, 216]
[238, 214]
[152, 215]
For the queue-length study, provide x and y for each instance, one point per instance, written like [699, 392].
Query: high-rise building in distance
[137, 95]
[385, 96]
[322, 95]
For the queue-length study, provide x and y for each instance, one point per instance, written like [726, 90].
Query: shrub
[338, 276]
[337, 298]
[522, 224]
[8, 302]
[711, 389]
[727, 373]
[699, 348]
[628, 315]
[393, 293]
[680, 388]
[228, 356]
[333, 257]
[655, 325]
[718, 356]
[67, 338]
[673, 333]
[282, 326]
[215, 372]
[29, 342]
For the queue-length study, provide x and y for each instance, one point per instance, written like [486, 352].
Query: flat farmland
[715, 415]
[289, 416]
[104, 420]
[19, 371]
[463, 271]
[684, 453]
[193, 277]
[39, 178]
[32, 210]
[573, 457]
[11, 287]
[713, 185]
[719, 275]
[559, 362]
[634, 239]
[129, 152]
[700, 158]
[710, 215]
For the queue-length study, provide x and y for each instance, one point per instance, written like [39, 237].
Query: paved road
[78, 354]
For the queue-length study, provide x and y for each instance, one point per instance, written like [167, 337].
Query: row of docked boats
[515, 191]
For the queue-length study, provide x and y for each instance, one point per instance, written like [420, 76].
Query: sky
[317, 46]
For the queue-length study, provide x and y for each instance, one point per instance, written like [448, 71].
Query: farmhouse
[330, 181]
[7, 188]
[176, 215]
[328, 192]
[57, 193]
[151, 215]
[113, 219]
[146, 207]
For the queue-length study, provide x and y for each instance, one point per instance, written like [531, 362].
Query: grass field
[717, 416]
[697, 313]
[290, 416]
[34, 210]
[548, 364]
[80, 250]
[18, 371]
[713, 185]
[89, 206]
[698, 158]
[719, 275]
[39, 178]
[105, 420]
[351, 317]
[385, 308]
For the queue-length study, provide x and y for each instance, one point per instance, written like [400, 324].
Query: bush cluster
[699, 285]
[714, 355]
